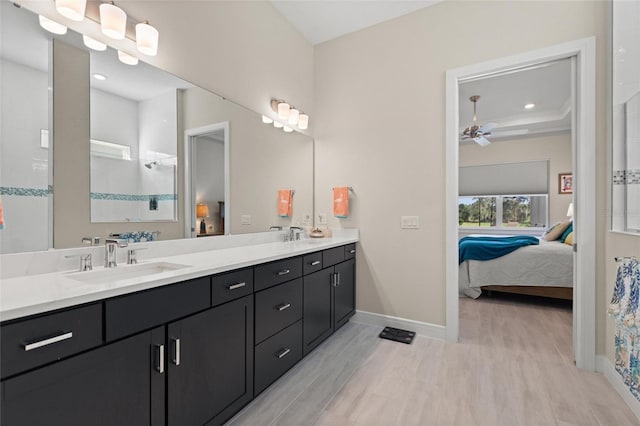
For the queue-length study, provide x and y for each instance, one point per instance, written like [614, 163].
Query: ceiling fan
[477, 133]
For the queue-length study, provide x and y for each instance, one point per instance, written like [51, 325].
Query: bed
[545, 269]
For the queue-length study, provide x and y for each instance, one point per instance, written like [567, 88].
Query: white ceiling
[322, 20]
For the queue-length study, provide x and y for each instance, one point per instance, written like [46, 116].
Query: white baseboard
[422, 328]
[623, 390]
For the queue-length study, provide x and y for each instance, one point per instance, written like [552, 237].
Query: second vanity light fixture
[113, 24]
[288, 116]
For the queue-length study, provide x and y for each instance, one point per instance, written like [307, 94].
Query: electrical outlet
[306, 219]
[409, 222]
[245, 219]
[322, 219]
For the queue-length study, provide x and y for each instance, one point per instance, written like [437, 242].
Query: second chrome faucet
[110, 254]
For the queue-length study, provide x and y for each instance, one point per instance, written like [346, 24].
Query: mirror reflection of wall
[24, 124]
[625, 191]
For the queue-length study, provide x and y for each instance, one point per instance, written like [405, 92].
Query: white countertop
[34, 294]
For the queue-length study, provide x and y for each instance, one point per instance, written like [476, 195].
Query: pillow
[569, 239]
[556, 231]
[566, 232]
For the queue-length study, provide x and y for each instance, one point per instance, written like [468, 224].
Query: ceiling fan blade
[507, 133]
[482, 141]
[487, 127]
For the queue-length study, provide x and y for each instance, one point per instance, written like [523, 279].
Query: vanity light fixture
[125, 58]
[287, 129]
[100, 77]
[278, 125]
[113, 21]
[290, 114]
[294, 115]
[72, 9]
[147, 38]
[529, 106]
[267, 120]
[52, 26]
[303, 122]
[94, 44]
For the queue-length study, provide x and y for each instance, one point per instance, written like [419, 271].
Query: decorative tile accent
[26, 192]
[132, 197]
[136, 237]
[626, 177]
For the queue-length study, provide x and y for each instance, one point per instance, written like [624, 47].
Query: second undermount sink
[124, 272]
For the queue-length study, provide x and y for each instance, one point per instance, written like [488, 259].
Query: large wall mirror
[150, 156]
[625, 190]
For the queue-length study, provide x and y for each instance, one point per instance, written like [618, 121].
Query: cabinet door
[317, 323]
[344, 293]
[210, 373]
[118, 384]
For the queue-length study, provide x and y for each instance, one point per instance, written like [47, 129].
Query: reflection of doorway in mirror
[207, 177]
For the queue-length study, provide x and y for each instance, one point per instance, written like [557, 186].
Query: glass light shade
[303, 122]
[147, 39]
[52, 26]
[72, 9]
[277, 125]
[94, 44]
[570, 210]
[294, 115]
[283, 111]
[125, 58]
[113, 21]
[266, 120]
[202, 210]
[287, 129]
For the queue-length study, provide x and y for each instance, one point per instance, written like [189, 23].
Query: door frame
[190, 136]
[584, 196]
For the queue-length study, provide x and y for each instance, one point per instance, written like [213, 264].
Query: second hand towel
[341, 202]
[285, 202]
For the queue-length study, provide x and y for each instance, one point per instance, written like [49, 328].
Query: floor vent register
[397, 335]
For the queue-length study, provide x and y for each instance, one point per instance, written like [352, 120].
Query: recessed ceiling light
[529, 106]
[100, 77]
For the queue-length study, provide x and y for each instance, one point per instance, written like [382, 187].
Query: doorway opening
[583, 162]
[207, 181]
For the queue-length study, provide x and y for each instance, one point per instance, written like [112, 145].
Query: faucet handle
[132, 255]
[85, 261]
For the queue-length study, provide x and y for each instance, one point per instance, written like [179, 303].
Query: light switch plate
[245, 219]
[306, 219]
[409, 222]
[322, 218]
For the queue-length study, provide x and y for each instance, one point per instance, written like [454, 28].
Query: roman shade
[527, 178]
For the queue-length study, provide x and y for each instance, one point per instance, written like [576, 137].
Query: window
[503, 211]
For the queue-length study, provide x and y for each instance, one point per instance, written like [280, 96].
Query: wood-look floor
[512, 366]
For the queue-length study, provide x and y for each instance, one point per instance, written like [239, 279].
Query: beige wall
[556, 149]
[380, 127]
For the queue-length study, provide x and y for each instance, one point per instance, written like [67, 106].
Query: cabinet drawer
[311, 263]
[349, 251]
[332, 256]
[277, 307]
[276, 355]
[37, 341]
[231, 285]
[140, 311]
[277, 272]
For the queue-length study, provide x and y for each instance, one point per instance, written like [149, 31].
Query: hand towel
[341, 202]
[285, 202]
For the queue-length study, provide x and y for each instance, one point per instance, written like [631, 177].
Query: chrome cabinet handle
[352, 251]
[236, 286]
[283, 306]
[159, 358]
[284, 272]
[284, 353]
[176, 351]
[337, 279]
[314, 263]
[48, 341]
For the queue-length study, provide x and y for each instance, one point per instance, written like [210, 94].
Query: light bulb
[147, 39]
[94, 44]
[303, 122]
[52, 26]
[72, 9]
[294, 115]
[125, 58]
[283, 111]
[113, 21]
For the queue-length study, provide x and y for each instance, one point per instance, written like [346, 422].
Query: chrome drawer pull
[160, 358]
[314, 263]
[284, 272]
[47, 341]
[352, 251]
[283, 307]
[284, 353]
[176, 351]
[236, 286]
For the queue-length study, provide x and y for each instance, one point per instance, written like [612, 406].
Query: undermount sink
[124, 272]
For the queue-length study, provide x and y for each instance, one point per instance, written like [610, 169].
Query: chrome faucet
[110, 245]
[293, 235]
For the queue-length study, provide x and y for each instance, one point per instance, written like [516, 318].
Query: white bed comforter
[549, 264]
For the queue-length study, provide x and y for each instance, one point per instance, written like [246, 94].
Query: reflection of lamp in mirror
[267, 120]
[113, 21]
[202, 211]
[94, 44]
[570, 210]
[277, 125]
[125, 58]
[147, 38]
[52, 26]
[287, 129]
[72, 9]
